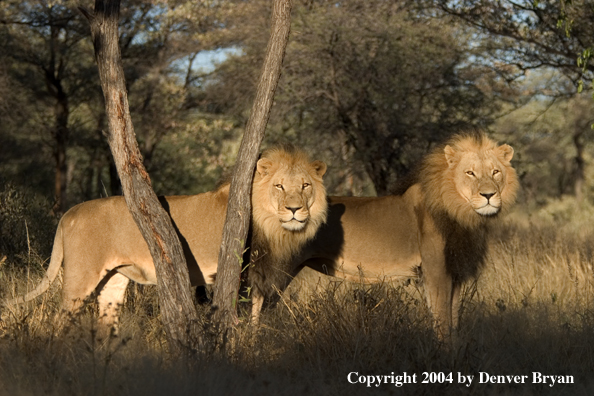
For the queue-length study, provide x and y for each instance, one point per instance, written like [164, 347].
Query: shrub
[26, 226]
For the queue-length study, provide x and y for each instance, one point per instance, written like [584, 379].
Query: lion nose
[293, 209]
[487, 195]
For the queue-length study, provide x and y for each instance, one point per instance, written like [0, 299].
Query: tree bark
[580, 166]
[61, 177]
[61, 136]
[177, 309]
[239, 208]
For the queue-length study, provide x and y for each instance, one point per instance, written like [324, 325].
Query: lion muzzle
[491, 206]
[297, 220]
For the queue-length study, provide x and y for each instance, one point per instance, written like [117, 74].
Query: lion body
[102, 249]
[436, 229]
[100, 235]
[360, 240]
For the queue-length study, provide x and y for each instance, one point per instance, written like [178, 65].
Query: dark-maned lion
[93, 238]
[437, 228]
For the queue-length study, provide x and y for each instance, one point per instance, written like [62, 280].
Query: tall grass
[531, 309]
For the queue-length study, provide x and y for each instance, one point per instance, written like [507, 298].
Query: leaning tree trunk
[239, 208]
[173, 282]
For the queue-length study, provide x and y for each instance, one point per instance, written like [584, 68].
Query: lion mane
[101, 249]
[437, 179]
[281, 165]
[457, 221]
[288, 176]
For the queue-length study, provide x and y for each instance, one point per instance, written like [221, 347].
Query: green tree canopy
[53, 111]
[531, 34]
[367, 75]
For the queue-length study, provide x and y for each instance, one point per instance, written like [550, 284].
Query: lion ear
[263, 166]
[506, 152]
[320, 167]
[450, 155]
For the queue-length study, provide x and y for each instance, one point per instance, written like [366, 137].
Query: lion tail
[56, 260]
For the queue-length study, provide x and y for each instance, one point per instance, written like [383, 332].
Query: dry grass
[532, 309]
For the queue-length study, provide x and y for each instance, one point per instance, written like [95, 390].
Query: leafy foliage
[367, 75]
[532, 34]
[54, 106]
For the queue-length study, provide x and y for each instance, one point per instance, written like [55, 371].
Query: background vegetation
[368, 86]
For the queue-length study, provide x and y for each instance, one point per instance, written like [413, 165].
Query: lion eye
[279, 186]
[495, 171]
[470, 173]
[305, 185]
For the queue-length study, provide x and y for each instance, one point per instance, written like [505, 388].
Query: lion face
[291, 198]
[470, 180]
[480, 176]
[289, 194]
[291, 191]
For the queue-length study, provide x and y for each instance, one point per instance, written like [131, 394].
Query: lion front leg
[455, 304]
[442, 299]
[266, 278]
[257, 284]
[441, 291]
[257, 303]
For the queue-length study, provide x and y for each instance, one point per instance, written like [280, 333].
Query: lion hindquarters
[109, 292]
[85, 283]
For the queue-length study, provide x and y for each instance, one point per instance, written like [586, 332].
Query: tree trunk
[61, 113]
[239, 208]
[175, 300]
[580, 166]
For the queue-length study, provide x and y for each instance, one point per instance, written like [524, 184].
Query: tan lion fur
[435, 228]
[100, 237]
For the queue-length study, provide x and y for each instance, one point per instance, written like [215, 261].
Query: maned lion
[100, 237]
[436, 228]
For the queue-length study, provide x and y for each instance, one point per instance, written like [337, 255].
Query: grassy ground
[531, 310]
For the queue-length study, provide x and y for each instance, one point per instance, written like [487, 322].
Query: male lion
[436, 228]
[100, 237]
